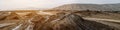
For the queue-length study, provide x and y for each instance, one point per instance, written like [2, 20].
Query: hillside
[93, 7]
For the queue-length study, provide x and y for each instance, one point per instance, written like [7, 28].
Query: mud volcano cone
[70, 22]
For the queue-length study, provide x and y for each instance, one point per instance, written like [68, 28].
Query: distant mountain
[93, 7]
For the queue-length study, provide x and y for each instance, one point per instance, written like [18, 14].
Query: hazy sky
[18, 4]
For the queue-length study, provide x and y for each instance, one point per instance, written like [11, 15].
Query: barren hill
[92, 7]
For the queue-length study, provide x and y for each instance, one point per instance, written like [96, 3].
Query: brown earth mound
[69, 22]
[50, 20]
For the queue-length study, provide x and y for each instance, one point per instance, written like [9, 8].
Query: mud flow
[54, 20]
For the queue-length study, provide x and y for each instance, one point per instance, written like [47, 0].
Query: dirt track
[110, 22]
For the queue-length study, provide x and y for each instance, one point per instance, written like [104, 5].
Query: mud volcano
[68, 22]
[49, 20]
